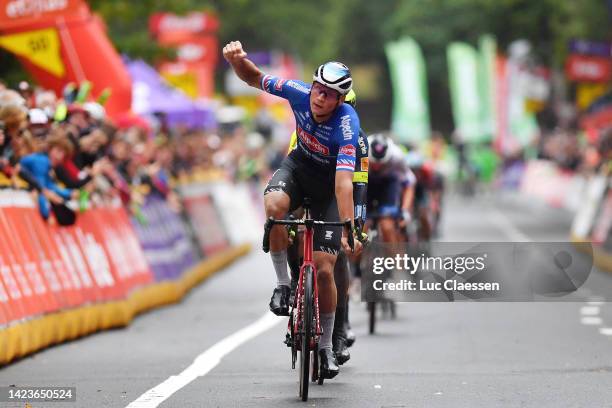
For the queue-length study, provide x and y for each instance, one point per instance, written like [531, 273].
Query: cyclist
[391, 186]
[321, 167]
[425, 179]
[341, 335]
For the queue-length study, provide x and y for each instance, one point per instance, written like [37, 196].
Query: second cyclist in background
[391, 187]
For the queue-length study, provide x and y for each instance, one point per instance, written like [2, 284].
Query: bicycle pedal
[287, 340]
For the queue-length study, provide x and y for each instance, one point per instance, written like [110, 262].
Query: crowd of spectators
[70, 155]
[565, 142]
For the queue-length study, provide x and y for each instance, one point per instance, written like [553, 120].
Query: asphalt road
[433, 355]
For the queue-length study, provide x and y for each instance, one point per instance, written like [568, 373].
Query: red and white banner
[588, 68]
[165, 24]
[45, 268]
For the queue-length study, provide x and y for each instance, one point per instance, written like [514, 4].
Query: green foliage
[355, 31]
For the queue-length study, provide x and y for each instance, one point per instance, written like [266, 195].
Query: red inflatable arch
[61, 41]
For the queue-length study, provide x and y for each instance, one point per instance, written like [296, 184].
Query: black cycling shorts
[295, 180]
[384, 196]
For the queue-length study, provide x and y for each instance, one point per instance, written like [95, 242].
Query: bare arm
[344, 197]
[344, 194]
[242, 66]
[408, 198]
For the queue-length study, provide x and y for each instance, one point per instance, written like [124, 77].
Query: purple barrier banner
[165, 240]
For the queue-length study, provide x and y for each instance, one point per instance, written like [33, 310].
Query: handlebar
[309, 223]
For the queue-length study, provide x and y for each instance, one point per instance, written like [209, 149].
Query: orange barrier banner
[45, 267]
[75, 257]
[98, 253]
[122, 238]
[6, 314]
[95, 259]
[42, 279]
[69, 284]
[115, 247]
[16, 303]
[19, 266]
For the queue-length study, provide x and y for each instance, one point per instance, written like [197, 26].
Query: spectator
[39, 165]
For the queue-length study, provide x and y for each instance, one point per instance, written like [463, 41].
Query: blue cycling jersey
[327, 147]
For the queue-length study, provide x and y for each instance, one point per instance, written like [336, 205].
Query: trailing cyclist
[391, 187]
[425, 184]
[321, 168]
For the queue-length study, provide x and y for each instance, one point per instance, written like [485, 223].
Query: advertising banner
[410, 116]
[40, 47]
[465, 95]
[601, 48]
[487, 73]
[588, 68]
[165, 240]
[206, 221]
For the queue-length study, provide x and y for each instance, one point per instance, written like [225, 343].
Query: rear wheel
[307, 332]
[372, 310]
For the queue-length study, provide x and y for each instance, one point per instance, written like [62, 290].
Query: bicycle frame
[299, 296]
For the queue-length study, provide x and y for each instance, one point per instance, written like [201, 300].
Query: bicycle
[304, 329]
[387, 305]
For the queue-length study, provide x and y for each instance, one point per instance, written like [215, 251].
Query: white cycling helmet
[334, 75]
[380, 151]
[95, 110]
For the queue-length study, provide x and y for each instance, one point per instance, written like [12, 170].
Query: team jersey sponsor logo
[345, 125]
[360, 177]
[321, 135]
[345, 164]
[362, 146]
[348, 150]
[365, 164]
[298, 86]
[266, 82]
[279, 84]
[311, 142]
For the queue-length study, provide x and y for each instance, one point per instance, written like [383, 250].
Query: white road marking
[589, 310]
[503, 222]
[606, 331]
[589, 313]
[205, 362]
[591, 321]
[378, 387]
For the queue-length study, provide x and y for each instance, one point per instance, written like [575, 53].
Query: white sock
[279, 260]
[327, 325]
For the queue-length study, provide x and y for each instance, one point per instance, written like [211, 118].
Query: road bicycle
[387, 306]
[304, 329]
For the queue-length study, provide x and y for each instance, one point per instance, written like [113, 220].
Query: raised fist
[233, 52]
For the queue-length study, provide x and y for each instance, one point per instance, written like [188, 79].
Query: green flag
[486, 71]
[410, 116]
[465, 97]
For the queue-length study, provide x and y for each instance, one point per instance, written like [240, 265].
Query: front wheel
[307, 332]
